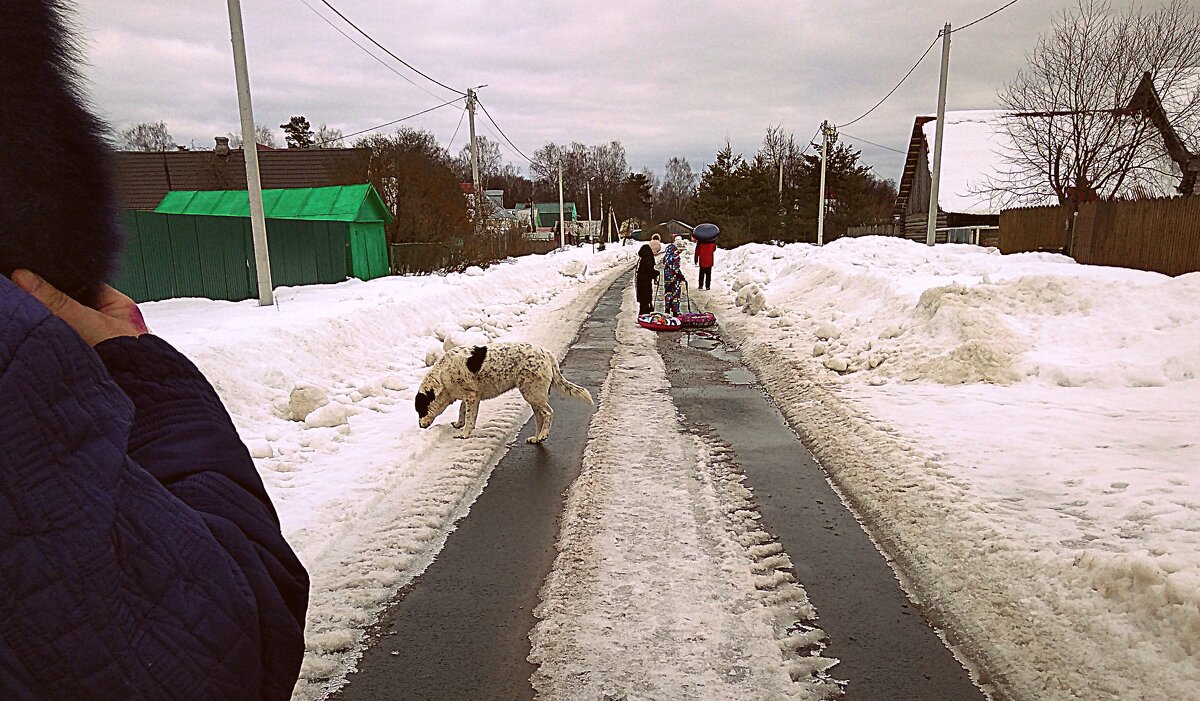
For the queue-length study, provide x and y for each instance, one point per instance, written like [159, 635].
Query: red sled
[660, 322]
[697, 320]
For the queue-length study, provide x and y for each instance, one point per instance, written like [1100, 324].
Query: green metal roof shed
[199, 243]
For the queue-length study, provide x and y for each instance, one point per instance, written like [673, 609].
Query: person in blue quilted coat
[140, 556]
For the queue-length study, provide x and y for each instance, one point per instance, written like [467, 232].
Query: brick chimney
[222, 147]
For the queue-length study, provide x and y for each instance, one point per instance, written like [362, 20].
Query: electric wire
[857, 138]
[811, 141]
[452, 138]
[510, 143]
[1014, 2]
[368, 52]
[394, 121]
[885, 97]
[389, 53]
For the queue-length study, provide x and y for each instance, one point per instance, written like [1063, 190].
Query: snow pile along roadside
[321, 387]
[689, 601]
[1018, 432]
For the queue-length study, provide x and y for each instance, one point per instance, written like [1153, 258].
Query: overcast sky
[665, 79]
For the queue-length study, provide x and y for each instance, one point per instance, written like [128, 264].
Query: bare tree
[491, 161]
[262, 135]
[677, 190]
[147, 136]
[329, 137]
[1071, 136]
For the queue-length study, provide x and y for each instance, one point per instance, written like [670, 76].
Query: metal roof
[143, 178]
[350, 203]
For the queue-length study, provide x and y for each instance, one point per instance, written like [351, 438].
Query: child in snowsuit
[672, 278]
[647, 277]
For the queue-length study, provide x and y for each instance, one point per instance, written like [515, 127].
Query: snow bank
[891, 309]
[1018, 432]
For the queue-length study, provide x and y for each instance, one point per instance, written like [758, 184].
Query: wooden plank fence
[1033, 229]
[1162, 235]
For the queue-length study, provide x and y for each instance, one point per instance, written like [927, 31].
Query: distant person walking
[704, 259]
[647, 278]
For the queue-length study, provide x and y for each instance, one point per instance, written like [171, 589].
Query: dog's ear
[424, 399]
[475, 362]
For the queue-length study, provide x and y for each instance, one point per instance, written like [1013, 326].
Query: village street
[1013, 431]
[693, 595]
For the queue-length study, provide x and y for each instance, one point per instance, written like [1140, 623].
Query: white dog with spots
[472, 374]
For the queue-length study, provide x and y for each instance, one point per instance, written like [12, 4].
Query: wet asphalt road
[887, 651]
[460, 631]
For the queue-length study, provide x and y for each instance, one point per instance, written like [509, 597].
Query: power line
[389, 53]
[885, 97]
[810, 141]
[394, 121]
[1014, 2]
[889, 148]
[510, 143]
[367, 51]
[452, 138]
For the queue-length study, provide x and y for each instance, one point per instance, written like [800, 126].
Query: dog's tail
[569, 389]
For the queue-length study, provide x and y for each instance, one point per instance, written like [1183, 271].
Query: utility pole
[931, 222]
[474, 160]
[258, 221]
[562, 216]
[589, 196]
[826, 132]
[474, 144]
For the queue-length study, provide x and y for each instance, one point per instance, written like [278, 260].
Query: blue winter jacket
[140, 556]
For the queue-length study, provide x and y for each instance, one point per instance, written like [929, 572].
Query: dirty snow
[646, 602]
[1020, 434]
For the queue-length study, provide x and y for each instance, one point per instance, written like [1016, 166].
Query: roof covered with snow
[972, 153]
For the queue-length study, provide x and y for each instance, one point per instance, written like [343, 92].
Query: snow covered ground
[690, 601]
[1021, 433]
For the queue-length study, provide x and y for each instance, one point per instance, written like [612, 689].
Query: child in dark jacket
[647, 276]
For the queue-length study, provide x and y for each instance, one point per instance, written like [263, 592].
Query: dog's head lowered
[432, 397]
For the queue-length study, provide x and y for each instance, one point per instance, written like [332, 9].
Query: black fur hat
[58, 215]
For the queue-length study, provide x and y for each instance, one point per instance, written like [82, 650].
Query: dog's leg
[470, 412]
[539, 401]
[462, 415]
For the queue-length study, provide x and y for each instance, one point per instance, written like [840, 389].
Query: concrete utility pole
[258, 221]
[931, 222]
[826, 132]
[474, 144]
[562, 216]
[589, 195]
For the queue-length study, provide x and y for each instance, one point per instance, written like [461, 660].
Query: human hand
[115, 314]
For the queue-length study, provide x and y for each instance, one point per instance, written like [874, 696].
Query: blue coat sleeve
[140, 557]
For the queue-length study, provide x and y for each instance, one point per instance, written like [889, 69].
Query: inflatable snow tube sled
[660, 322]
[706, 232]
[697, 320]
